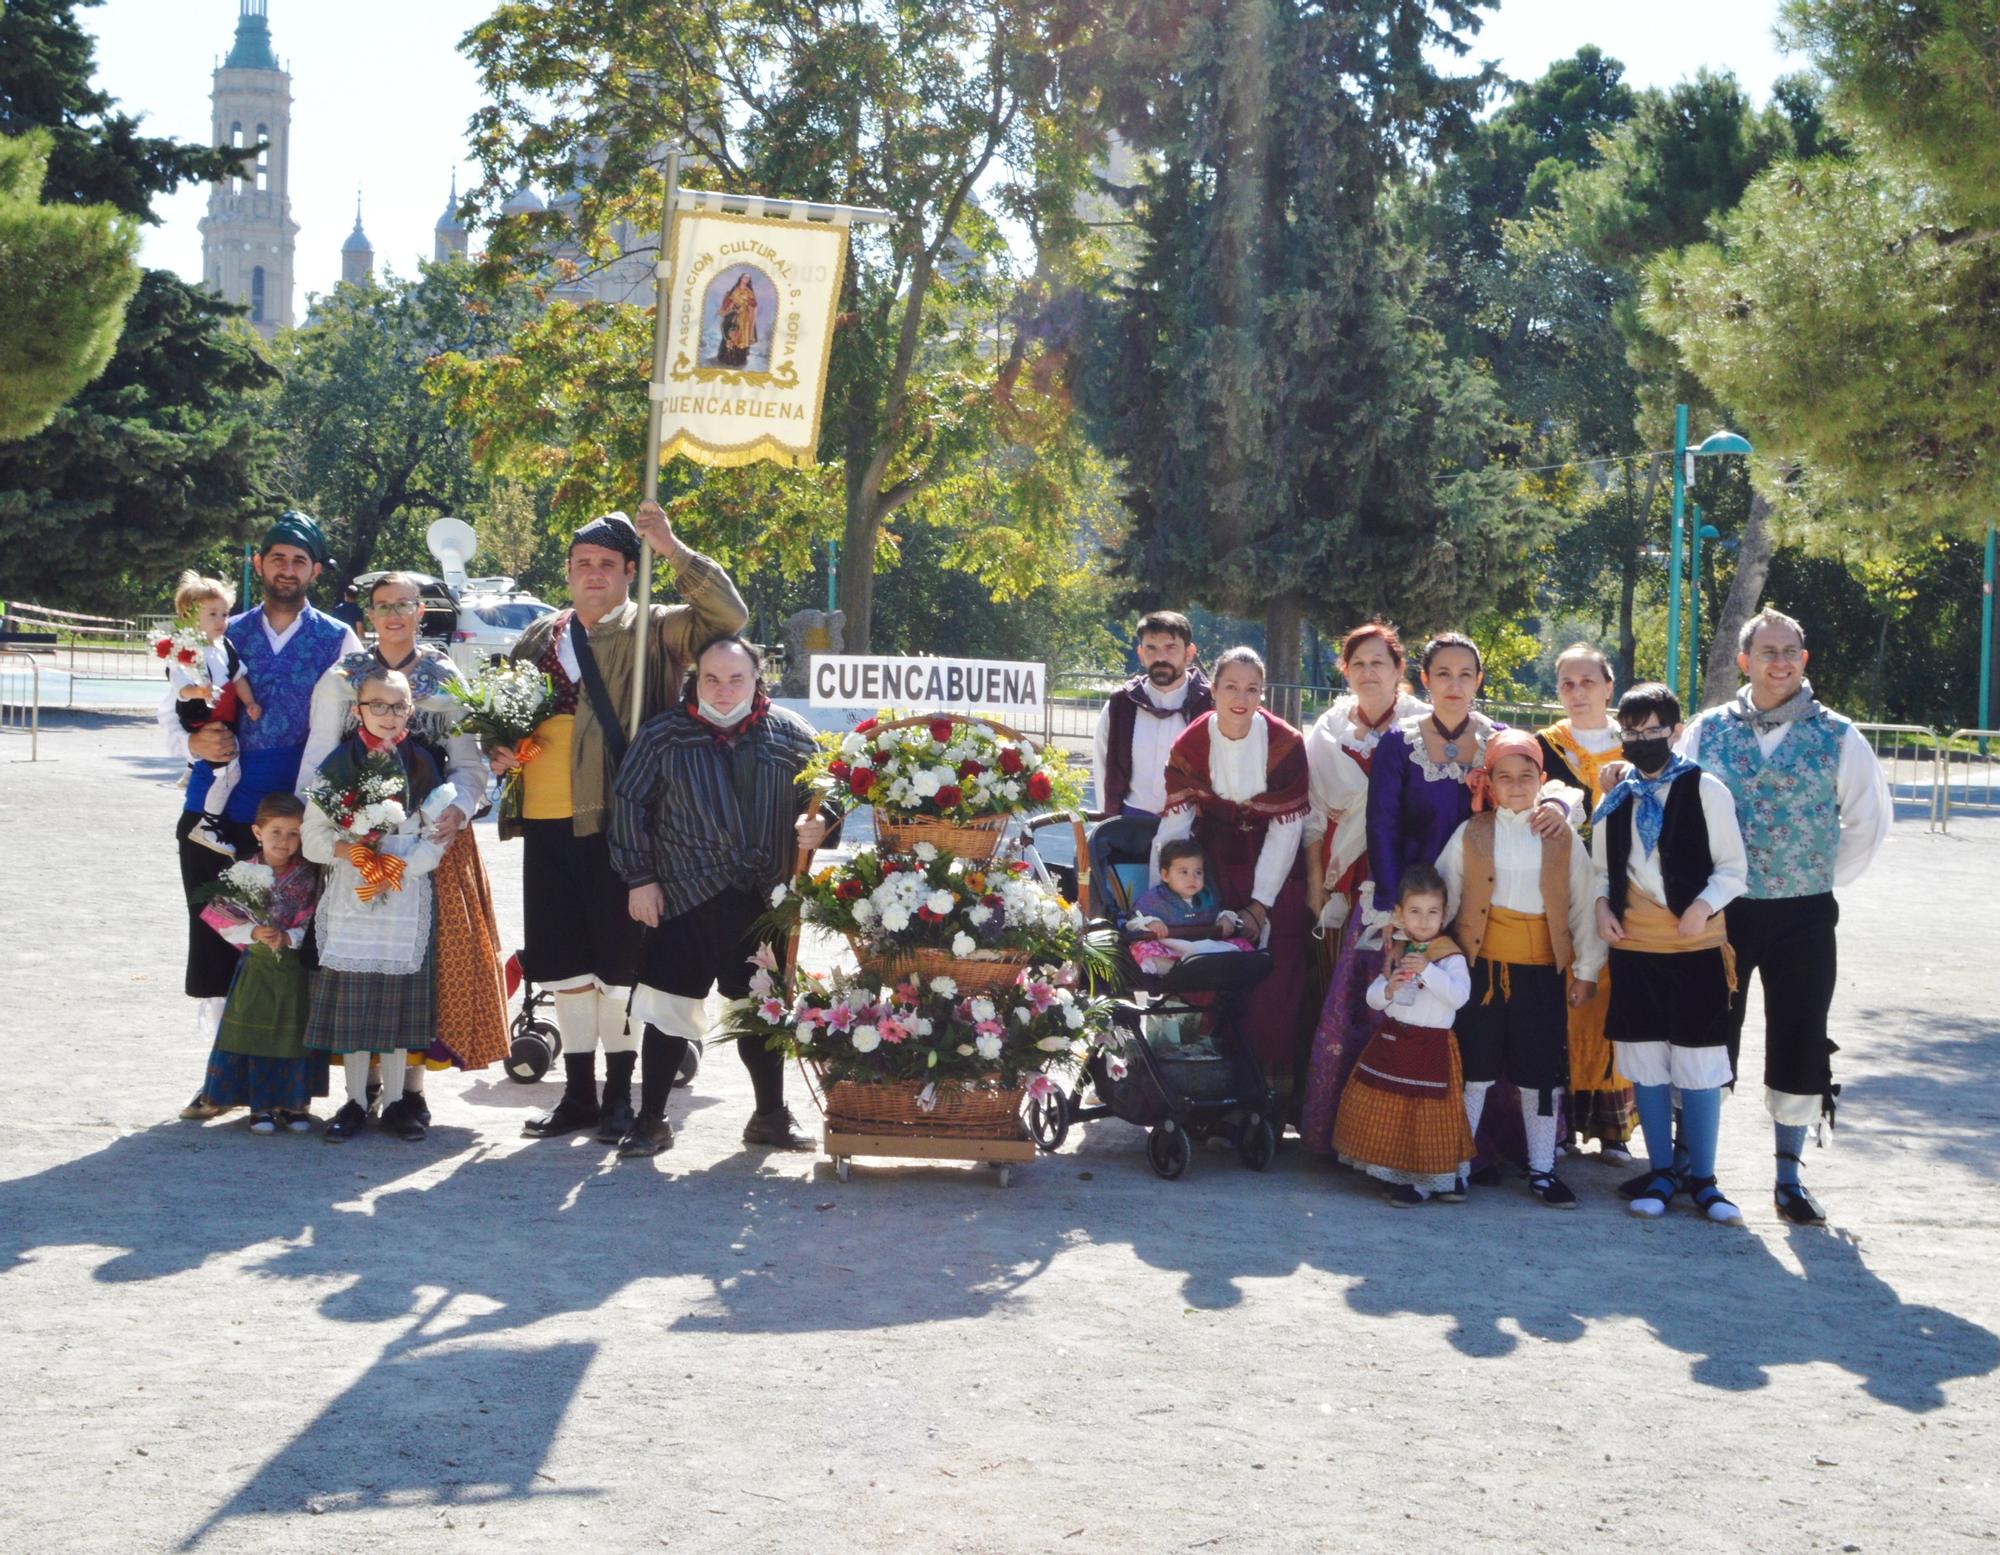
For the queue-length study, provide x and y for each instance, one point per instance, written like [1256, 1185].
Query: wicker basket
[978, 839]
[890, 1107]
[920, 966]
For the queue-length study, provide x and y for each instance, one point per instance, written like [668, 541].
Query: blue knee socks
[1655, 1104]
[1701, 1128]
[1791, 1141]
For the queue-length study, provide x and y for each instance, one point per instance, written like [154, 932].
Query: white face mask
[728, 720]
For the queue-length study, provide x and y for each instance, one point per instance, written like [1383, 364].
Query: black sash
[600, 698]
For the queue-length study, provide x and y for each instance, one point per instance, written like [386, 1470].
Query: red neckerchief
[760, 704]
[370, 743]
[1361, 721]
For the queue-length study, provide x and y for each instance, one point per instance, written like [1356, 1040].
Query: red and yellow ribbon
[527, 750]
[379, 872]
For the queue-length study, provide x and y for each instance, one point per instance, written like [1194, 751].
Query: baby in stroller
[1178, 917]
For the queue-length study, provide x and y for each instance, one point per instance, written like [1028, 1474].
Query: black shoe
[402, 1121]
[1485, 1177]
[1633, 1187]
[779, 1130]
[345, 1124]
[1404, 1195]
[417, 1107]
[615, 1118]
[647, 1136]
[1551, 1190]
[1455, 1194]
[1797, 1206]
[570, 1114]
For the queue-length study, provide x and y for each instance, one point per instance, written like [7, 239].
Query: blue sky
[381, 95]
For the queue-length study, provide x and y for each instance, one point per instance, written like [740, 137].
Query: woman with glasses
[471, 999]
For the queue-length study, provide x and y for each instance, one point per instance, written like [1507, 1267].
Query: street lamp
[1701, 532]
[1714, 445]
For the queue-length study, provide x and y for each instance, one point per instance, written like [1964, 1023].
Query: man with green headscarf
[285, 646]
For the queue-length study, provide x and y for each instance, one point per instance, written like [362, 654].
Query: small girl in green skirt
[260, 1060]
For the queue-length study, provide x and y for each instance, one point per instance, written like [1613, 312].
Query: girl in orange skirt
[1402, 1115]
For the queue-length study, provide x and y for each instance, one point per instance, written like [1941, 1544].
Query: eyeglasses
[389, 709]
[1646, 736]
[1790, 655]
[395, 607]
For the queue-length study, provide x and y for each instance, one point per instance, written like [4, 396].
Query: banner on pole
[929, 685]
[754, 301]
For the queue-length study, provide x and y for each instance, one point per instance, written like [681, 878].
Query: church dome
[252, 49]
[522, 202]
[357, 240]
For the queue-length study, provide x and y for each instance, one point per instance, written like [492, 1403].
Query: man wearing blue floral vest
[285, 646]
[1814, 807]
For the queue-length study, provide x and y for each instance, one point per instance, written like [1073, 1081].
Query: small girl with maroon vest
[1522, 911]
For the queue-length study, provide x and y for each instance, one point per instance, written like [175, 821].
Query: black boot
[648, 1136]
[614, 1113]
[578, 1107]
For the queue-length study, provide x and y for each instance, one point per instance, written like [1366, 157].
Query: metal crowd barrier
[1980, 766]
[21, 712]
[1909, 754]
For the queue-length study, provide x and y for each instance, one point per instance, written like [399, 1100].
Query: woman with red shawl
[1237, 783]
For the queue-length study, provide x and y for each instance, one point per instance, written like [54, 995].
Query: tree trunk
[1284, 620]
[857, 572]
[1746, 589]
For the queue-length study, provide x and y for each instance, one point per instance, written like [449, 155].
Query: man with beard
[579, 942]
[285, 645]
[1814, 807]
[1135, 732]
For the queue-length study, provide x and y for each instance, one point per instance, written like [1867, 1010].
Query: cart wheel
[1048, 1121]
[1168, 1150]
[840, 1167]
[1257, 1143]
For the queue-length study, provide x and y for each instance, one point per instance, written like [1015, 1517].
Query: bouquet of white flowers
[504, 707]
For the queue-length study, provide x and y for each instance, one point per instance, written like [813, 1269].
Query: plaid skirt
[1402, 1113]
[373, 1012]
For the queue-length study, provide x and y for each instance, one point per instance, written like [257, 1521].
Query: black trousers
[709, 947]
[1789, 943]
[211, 959]
[1521, 1034]
[574, 917]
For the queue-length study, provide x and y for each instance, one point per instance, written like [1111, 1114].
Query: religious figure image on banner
[749, 335]
[730, 335]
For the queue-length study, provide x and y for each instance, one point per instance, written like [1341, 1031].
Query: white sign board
[927, 685]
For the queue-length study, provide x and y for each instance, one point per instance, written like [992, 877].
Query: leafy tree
[911, 108]
[162, 455]
[1295, 441]
[367, 448]
[71, 274]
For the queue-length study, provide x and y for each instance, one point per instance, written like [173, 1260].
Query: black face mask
[1649, 755]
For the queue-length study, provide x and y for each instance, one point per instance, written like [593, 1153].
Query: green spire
[253, 39]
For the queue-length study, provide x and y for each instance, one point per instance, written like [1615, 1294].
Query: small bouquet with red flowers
[185, 647]
[950, 768]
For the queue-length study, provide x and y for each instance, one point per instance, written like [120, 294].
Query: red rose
[1010, 761]
[941, 730]
[839, 769]
[1039, 786]
[185, 656]
[864, 726]
[950, 797]
[848, 890]
[351, 799]
[1019, 866]
[860, 780]
[968, 770]
[892, 866]
[164, 646]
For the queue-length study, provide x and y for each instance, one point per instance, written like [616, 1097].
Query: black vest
[1685, 862]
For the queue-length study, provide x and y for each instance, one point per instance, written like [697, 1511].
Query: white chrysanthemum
[895, 919]
[251, 875]
[864, 912]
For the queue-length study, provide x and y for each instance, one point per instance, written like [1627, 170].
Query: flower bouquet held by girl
[503, 708]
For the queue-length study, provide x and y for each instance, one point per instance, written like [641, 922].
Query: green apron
[266, 1013]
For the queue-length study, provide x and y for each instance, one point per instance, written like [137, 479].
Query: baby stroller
[1179, 1091]
[537, 1044]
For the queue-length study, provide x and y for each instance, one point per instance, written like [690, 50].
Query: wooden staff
[656, 391]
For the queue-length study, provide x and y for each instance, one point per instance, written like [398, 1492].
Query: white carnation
[927, 852]
[778, 894]
[944, 987]
[895, 919]
[979, 912]
[864, 911]
[854, 745]
[982, 1009]
[939, 902]
[989, 1047]
[925, 783]
[1074, 1017]
[865, 1039]
[963, 944]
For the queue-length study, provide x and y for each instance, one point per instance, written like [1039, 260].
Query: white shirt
[1729, 877]
[1517, 883]
[1442, 989]
[1339, 786]
[1861, 792]
[1238, 771]
[1152, 739]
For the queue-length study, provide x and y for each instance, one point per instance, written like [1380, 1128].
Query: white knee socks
[614, 1031]
[576, 1020]
[1475, 1101]
[355, 1066]
[1541, 1131]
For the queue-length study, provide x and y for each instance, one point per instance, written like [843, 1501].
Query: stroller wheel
[1257, 1143]
[537, 1044]
[1048, 1121]
[1168, 1150]
[690, 1065]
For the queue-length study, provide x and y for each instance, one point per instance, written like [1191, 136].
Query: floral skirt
[471, 989]
[1345, 1025]
[264, 1084]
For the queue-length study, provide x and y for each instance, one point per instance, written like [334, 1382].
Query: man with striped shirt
[705, 819]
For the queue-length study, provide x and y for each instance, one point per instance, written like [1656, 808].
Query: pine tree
[162, 455]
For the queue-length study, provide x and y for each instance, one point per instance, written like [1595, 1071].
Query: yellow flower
[975, 882]
[824, 876]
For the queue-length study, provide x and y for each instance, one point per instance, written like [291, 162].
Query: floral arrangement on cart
[975, 976]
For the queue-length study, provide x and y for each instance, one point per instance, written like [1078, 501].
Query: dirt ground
[215, 1341]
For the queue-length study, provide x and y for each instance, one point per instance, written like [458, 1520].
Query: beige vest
[1476, 903]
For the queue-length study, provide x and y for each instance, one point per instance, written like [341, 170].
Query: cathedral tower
[248, 233]
[451, 235]
[357, 254]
